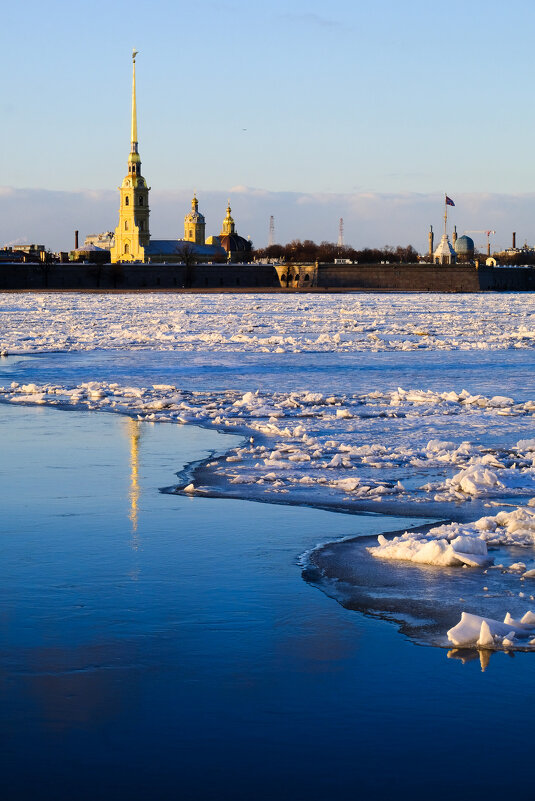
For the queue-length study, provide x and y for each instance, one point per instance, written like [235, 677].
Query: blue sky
[345, 99]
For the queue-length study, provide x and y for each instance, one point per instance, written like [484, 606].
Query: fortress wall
[425, 277]
[135, 276]
[415, 277]
[336, 277]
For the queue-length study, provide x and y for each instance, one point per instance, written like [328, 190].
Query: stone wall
[426, 277]
[136, 276]
[334, 277]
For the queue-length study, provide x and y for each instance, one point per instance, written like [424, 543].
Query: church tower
[194, 224]
[132, 234]
[228, 226]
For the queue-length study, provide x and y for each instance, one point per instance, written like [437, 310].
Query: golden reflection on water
[134, 429]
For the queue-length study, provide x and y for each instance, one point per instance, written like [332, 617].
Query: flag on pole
[449, 201]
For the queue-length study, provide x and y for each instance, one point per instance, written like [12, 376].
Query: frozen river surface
[158, 643]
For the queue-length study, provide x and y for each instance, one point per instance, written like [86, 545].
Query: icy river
[206, 586]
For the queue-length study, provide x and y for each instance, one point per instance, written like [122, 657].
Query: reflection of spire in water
[135, 434]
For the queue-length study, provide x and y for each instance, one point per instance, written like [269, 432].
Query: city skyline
[370, 220]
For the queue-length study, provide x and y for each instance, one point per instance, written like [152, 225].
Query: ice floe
[456, 544]
[476, 631]
[361, 447]
[270, 323]
[466, 545]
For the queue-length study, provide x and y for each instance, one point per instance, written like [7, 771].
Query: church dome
[234, 242]
[464, 246]
[239, 247]
[194, 217]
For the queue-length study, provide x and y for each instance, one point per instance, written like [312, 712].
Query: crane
[488, 233]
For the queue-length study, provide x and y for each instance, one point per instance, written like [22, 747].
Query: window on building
[141, 200]
[126, 225]
[127, 201]
[141, 225]
[126, 249]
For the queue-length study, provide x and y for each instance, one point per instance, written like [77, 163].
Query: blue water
[508, 372]
[158, 646]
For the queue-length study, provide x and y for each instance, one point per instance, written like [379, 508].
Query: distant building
[445, 253]
[105, 240]
[237, 248]
[10, 255]
[90, 253]
[25, 253]
[30, 249]
[132, 240]
[180, 251]
[194, 224]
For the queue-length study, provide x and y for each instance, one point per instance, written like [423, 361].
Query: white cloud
[371, 219]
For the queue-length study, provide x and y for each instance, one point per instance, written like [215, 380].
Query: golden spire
[228, 223]
[134, 113]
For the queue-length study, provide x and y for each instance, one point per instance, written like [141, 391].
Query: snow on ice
[267, 323]
[376, 449]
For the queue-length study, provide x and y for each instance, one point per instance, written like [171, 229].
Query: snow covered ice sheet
[33, 322]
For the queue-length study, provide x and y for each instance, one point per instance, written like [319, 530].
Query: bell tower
[195, 224]
[132, 235]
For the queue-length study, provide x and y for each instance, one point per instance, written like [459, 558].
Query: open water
[159, 646]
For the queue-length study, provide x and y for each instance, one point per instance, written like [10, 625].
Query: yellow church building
[132, 241]
[132, 235]
[194, 224]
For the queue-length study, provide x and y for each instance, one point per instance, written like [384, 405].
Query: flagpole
[445, 214]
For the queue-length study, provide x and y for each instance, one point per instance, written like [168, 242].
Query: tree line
[307, 251]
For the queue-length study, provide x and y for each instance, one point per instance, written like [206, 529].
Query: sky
[302, 110]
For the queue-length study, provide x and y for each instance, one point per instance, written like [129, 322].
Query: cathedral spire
[134, 112]
[132, 235]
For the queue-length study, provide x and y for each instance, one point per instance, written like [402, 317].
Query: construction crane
[488, 233]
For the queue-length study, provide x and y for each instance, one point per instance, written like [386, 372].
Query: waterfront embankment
[266, 277]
